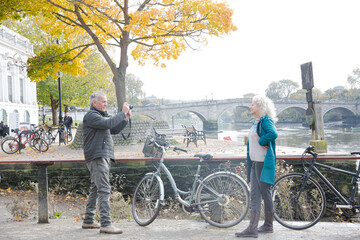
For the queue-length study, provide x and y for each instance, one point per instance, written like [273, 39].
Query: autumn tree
[354, 79]
[281, 89]
[75, 90]
[149, 30]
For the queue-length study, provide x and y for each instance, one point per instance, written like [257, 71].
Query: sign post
[313, 115]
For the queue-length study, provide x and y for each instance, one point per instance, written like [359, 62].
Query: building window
[26, 117]
[10, 87]
[3, 115]
[22, 90]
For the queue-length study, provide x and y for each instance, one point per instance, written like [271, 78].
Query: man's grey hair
[95, 96]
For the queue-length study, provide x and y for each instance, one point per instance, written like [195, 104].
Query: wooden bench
[165, 133]
[193, 135]
[200, 134]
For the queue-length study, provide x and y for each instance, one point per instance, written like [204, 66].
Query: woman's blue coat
[268, 134]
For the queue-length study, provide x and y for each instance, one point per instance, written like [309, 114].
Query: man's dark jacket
[97, 130]
[68, 121]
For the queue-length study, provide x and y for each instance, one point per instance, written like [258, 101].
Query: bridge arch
[337, 114]
[344, 108]
[231, 109]
[287, 116]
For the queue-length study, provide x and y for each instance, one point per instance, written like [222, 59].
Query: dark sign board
[307, 76]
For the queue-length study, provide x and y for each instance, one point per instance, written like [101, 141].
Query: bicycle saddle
[26, 132]
[206, 156]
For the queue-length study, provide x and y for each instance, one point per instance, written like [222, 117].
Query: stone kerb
[139, 131]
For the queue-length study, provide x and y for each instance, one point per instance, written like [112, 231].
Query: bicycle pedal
[344, 206]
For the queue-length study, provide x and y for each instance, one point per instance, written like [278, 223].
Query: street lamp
[61, 130]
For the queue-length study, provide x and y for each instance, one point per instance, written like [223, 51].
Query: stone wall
[139, 131]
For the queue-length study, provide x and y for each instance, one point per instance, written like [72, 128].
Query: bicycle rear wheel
[39, 144]
[224, 199]
[298, 211]
[146, 201]
[10, 145]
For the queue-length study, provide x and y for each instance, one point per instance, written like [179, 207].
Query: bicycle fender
[162, 194]
[229, 173]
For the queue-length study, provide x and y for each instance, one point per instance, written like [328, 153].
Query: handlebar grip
[310, 149]
[180, 149]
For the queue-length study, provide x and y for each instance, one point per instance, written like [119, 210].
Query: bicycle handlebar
[165, 145]
[310, 150]
[179, 149]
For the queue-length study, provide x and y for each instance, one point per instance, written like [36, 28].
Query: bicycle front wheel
[146, 201]
[39, 144]
[69, 137]
[223, 199]
[10, 145]
[294, 209]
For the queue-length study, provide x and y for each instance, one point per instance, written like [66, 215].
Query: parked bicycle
[300, 201]
[50, 134]
[12, 145]
[222, 198]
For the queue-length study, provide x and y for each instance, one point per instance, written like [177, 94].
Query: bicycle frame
[348, 203]
[29, 136]
[197, 181]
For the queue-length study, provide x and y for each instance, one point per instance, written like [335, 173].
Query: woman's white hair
[266, 107]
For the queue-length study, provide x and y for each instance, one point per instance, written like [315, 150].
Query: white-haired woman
[261, 163]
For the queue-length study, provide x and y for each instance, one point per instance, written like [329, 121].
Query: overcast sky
[273, 39]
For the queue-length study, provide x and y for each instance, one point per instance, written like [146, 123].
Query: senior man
[99, 151]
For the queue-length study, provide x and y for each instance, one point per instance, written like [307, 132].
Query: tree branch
[59, 6]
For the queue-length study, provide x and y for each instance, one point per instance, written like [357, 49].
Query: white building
[17, 93]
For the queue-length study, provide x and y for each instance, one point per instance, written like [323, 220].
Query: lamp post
[61, 130]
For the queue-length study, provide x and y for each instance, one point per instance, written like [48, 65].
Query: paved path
[168, 229]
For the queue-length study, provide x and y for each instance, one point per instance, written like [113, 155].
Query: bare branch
[60, 18]
[85, 46]
[143, 5]
[59, 6]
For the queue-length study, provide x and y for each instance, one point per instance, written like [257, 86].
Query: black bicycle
[50, 134]
[300, 201]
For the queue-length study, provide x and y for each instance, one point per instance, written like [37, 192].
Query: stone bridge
[210, 111]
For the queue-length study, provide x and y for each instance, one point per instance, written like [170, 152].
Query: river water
[338, 140]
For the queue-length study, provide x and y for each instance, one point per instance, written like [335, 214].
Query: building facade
[17, 93]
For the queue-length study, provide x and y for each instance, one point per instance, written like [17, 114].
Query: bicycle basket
[150, 150]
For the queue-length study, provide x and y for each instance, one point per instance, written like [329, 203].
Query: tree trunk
[120, 72]
[54, 107]
[66, 108]
[119, 79]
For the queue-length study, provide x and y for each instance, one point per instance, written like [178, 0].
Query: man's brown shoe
[90, 225]
[111, 230]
